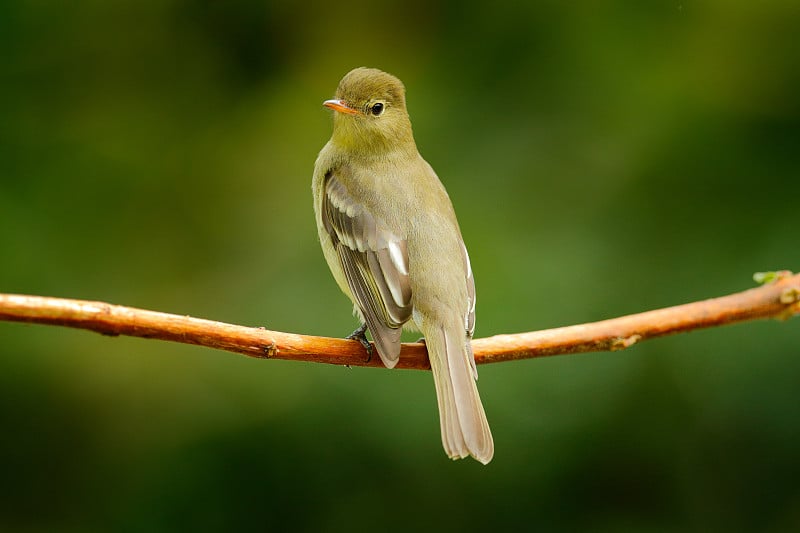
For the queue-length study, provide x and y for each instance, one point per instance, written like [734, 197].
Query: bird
[391, 239]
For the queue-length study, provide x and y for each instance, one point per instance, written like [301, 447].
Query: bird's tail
[465, 430]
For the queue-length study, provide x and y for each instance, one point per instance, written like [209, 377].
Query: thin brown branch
[780, 299]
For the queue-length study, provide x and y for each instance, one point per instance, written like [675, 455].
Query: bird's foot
[360, 335]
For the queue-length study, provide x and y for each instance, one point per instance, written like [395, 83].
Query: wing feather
[469, 316]
[375, 262]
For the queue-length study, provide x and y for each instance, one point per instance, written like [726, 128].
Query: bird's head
[370, 112]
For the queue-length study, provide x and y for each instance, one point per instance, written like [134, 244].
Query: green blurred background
[604, 158]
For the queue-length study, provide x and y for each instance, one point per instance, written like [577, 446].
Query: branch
[779, 299]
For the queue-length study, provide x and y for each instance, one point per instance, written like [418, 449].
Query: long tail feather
[465, 430]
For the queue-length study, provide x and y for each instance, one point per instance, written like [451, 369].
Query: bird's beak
[340, 106]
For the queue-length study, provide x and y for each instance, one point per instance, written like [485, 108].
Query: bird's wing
[469, 316]
[375, 262]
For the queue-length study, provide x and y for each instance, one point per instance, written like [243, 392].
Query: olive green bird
[392, 241]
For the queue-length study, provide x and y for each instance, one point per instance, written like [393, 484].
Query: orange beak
[340, 106]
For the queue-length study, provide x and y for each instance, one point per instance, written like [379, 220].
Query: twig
[780, 299]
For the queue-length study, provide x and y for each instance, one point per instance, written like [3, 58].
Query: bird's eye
[376, 109]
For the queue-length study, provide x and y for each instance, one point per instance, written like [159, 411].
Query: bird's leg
[360, 335]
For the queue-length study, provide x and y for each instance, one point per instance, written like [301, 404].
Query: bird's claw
[360, 335]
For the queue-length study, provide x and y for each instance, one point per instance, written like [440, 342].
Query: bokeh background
[604, 158]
